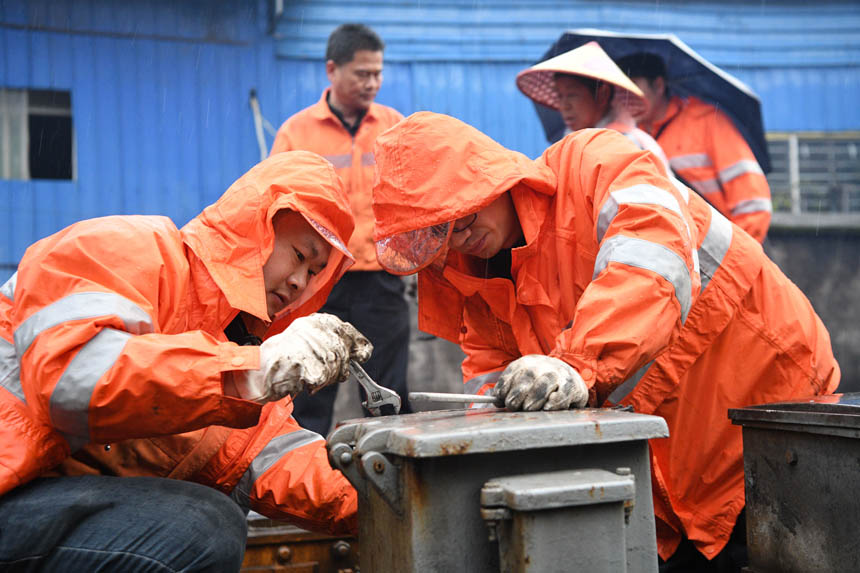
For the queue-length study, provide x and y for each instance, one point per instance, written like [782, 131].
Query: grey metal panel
[533, 492]
[450, 432]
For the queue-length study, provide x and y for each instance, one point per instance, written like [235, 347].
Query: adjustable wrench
[377, 396]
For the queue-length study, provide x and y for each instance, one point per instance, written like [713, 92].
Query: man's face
[355, 83]
[485, 233]
[653, 91]
[577, 103]
[299, 253]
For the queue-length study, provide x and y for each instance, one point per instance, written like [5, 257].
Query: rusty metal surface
[422, 502]
[458, 432]
[532, 492]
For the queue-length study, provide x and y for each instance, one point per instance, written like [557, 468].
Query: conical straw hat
[588, 60]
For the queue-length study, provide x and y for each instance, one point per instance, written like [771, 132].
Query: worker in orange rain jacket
[342, 126]
[704, 147]
[589, 90]
[586, 277]
[115, 361]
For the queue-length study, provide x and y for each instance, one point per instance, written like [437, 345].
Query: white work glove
[313, 352]
[538, 382]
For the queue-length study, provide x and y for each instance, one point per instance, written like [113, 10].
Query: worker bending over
[586, 277]
[122, 364]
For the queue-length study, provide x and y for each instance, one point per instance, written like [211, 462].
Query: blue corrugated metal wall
[160, 88]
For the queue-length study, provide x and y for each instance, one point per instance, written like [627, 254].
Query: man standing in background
[704, 147]
[342, 127]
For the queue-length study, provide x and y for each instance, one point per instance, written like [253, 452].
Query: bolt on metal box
[802, 483]
[419, 478]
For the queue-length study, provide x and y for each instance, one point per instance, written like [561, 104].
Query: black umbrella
[688, 74]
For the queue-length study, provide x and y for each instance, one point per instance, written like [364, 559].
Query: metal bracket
[384, 476]
[342, 457]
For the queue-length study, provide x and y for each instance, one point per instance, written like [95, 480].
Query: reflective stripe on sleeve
[714, 246]
[79, 306]
[10, 370]
[742, 167]
[642, 194]
[690, 161]
[476, 383]
[276, 449]
[339, 161]
[8, 288]
[650, 256]
[752, 206]
[70, 400]
[628, 385]
[706, 186]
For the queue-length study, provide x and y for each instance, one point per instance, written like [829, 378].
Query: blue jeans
[101, 523]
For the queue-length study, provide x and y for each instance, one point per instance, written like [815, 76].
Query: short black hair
[347, 39]
[643, 65]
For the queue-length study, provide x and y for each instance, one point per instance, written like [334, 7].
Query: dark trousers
[135, 524]
[373, 302]
[732, 559]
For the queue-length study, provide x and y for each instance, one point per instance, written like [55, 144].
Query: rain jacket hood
[443, 169]
[234, 237]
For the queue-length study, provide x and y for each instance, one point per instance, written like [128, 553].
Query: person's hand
[538, 382]
[313, 352]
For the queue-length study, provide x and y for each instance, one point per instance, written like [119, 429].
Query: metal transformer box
[802, 483]
[420, 478]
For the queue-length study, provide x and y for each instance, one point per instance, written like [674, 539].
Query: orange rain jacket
[653, 296]
[317, 129]
[707, 151]
[112, 332]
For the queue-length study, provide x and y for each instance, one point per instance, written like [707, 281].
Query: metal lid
[458, 432]
[836, 410]
[553, 490]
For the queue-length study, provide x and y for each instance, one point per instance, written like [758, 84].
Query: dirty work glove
[313, 352]
[538, 382]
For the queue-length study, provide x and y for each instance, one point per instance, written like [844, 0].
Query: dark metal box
[802, 483]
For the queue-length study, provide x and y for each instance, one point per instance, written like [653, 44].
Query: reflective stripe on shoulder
[714, 247]
[742, 167]
[641, 194]
[753, 206]
[10, 370]
[690, 161]
[8, 288]
[650, 256]
[478, 382]
[628, 385]
[276, 449]
[70, 400]
[339, 161]
[79, 306]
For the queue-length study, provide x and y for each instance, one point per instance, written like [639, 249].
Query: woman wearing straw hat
[589, 90]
